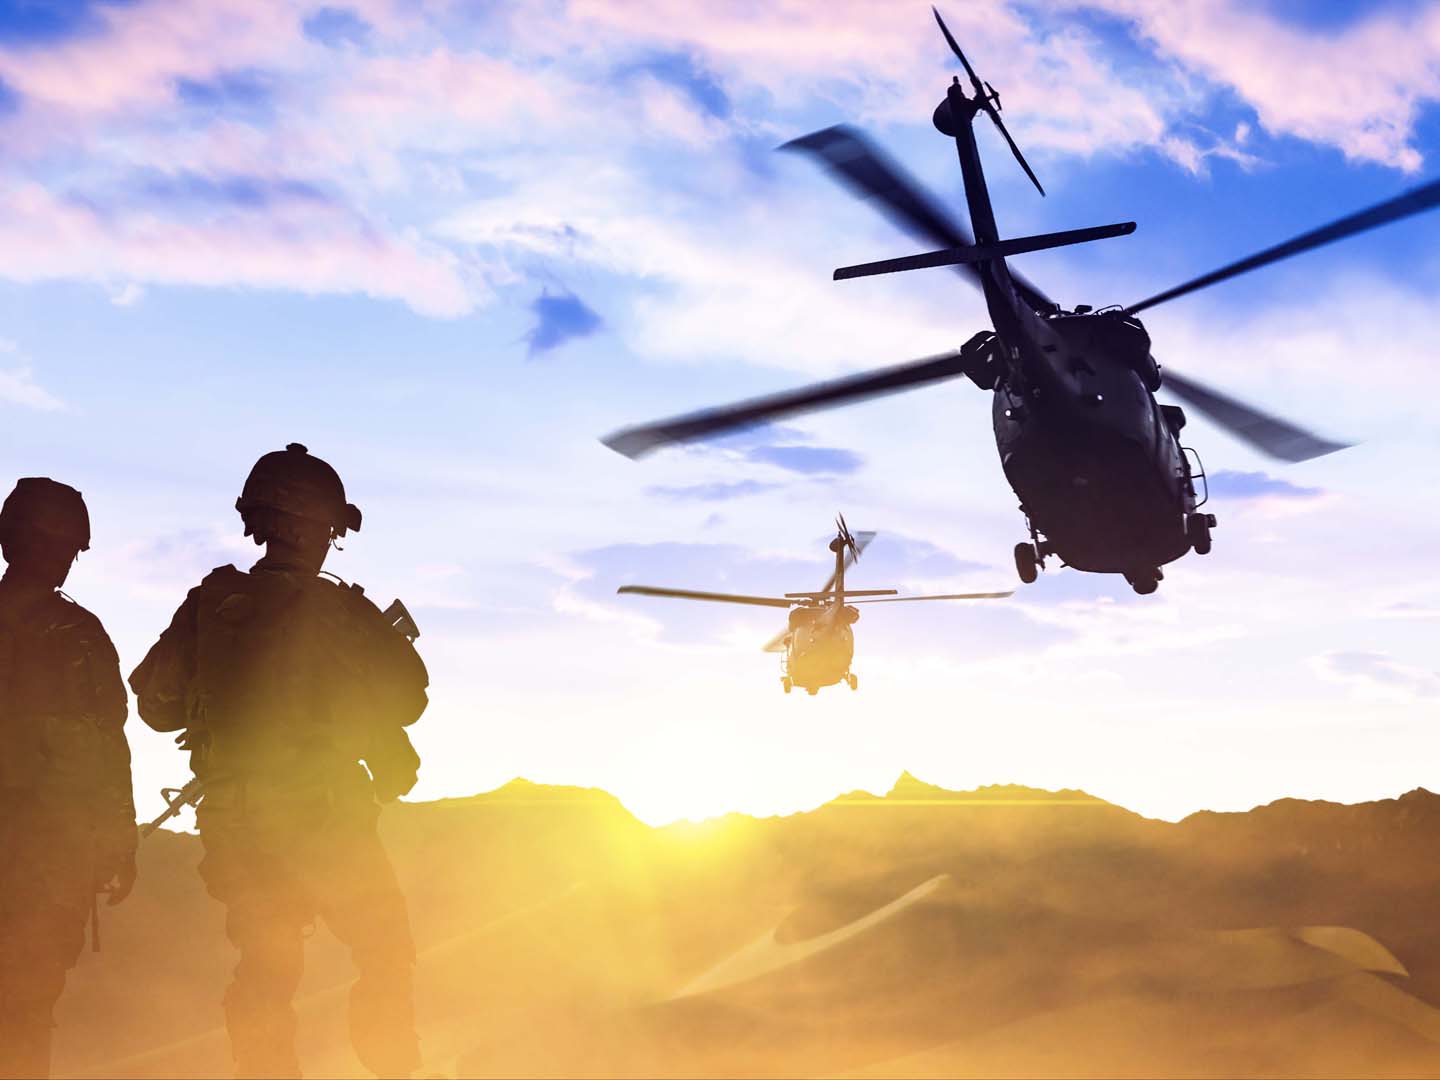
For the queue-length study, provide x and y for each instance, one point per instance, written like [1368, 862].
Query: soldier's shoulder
[224, 576]
[352, 595]
[223, 580]
[68, 611]
[66, 614]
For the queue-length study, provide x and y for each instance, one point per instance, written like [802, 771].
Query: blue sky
[447, 246]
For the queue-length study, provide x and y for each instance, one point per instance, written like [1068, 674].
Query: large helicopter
[817, 641]
[1096, 461]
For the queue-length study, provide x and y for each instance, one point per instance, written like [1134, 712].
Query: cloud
[1373, 674]
[781, 447]
[559, 319]
[18, 387]
[808, 460]
[1359, 88]
[717, 491]
[680, 70]
[302, 247]
[1233, 484]
[1410, 609]
[17, 381]
[386, 107]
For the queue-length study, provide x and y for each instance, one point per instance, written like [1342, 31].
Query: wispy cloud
[1246, 485]
[18, 387]
[17, 381]
[385, 107]
[716, 491]
[808, 460]
[1374, 674]
[1359, 88]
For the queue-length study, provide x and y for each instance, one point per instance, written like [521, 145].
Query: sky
[449, 245]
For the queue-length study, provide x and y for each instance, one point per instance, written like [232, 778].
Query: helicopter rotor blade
[985, 95]
[1268, 434]
[868, 172]
[638, 441]
[955, 48]
[995, 116]
[691, 594]
[1402, 206]
[945, 596]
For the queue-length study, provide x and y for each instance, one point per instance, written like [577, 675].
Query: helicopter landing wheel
[1144, 582]
[786, 684]
[853, 681]
[812, 690]
[1197, 530]
[1027, 563]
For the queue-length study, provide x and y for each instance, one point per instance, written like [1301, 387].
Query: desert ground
[1000, 932]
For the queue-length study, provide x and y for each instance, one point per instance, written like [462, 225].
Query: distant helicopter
[817, 642]
[1096, 461]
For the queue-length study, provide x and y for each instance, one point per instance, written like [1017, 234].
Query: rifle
[176, 800]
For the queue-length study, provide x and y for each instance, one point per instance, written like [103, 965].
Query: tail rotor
[986, 99]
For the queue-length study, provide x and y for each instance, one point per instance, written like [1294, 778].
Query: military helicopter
[817, 641]
[1103, 480]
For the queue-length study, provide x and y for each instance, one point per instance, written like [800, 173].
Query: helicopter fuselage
[819, 646]
[1095, 460]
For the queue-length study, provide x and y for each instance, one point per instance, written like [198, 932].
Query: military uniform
[67, 819]
[284, 682]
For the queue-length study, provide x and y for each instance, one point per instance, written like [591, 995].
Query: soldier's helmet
[49, 508]
[295, 482]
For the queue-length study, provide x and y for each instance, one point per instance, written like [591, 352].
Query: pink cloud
[1358, 89]
[43, 237]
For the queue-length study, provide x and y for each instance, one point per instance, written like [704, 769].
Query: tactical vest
[59, 683]
[293, 675]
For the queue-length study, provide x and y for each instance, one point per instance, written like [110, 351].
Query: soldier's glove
[116, 869]
[391, 783]
[121, 881]
[393, 763]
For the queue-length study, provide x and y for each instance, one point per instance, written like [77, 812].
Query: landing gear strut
[786, 684]
[853, 681]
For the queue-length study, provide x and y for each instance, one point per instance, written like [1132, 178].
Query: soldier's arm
[114, 796]
[398, 679]
[397, 685]
[162, 681]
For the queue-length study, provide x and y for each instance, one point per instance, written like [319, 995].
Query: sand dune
[1003, 932]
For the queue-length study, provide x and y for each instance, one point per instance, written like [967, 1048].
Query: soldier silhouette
[282, 683]
[67, 819]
